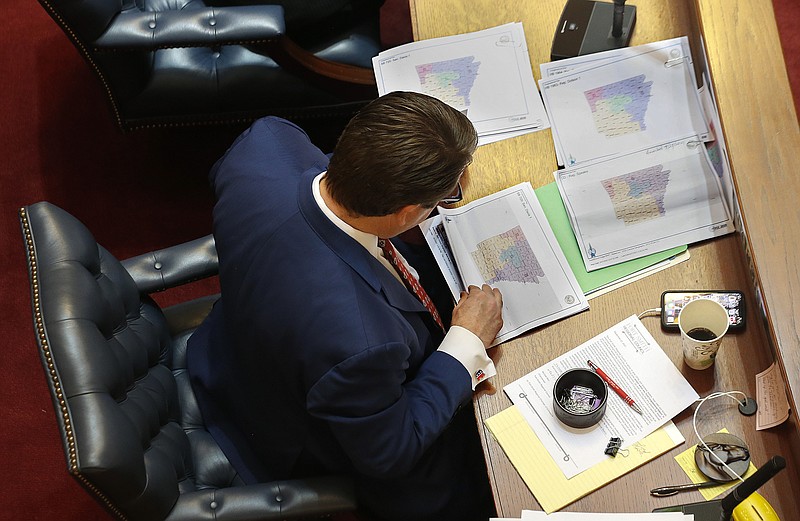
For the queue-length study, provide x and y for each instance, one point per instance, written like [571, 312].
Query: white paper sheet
[643, 202]
[559, 67]
[485, 74]
[531, 515]
[632, 358]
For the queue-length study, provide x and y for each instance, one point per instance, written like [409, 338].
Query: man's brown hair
[401, 149]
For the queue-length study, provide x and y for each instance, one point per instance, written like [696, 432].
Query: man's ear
[407, 214]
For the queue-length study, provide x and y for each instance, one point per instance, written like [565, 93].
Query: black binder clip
[613, 446]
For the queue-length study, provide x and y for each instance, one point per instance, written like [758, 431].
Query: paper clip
[675, 58]
[672, 62]
[613, 446]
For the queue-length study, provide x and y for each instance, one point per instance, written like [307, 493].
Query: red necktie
[409, 280]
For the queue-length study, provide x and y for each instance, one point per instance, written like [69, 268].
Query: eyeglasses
[455, 198]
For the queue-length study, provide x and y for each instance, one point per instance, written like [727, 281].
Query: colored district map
[638, 196]
[619, 108]
[507, 257]
[450, 81]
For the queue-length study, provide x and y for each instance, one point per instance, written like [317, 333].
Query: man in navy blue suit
[318, 358]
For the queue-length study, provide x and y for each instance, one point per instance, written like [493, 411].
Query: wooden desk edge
[412, 7]
[760, 149]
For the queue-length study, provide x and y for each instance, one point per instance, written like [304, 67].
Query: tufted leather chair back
[115, 363]
[189, 62]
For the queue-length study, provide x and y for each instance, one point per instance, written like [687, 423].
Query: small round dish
[722, 447]
[579, 398]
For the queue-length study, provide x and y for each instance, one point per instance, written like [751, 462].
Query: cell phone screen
[672, 302]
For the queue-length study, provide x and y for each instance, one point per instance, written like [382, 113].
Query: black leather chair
[115, 363]
[188, 62]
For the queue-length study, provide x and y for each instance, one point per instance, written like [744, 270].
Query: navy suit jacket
[316, 356]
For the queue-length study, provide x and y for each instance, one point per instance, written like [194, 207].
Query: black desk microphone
[588, 26]
[619, 16]
[721, 509]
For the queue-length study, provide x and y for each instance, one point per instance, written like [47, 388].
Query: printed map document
[601, 280]
[632, 358]
[646, 168]
[628, 99]
[485, 74]
[504, 240]
[643, 202]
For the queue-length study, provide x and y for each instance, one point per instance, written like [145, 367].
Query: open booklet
[505, 240]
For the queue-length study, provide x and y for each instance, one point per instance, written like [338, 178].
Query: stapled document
[633, 359]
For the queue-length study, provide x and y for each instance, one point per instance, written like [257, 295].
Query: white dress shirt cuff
[463, 345]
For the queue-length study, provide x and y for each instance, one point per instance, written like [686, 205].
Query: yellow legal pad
[548, 484]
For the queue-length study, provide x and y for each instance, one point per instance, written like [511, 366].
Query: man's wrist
[466, 347]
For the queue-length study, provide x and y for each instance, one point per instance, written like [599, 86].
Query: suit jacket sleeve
[387, 431]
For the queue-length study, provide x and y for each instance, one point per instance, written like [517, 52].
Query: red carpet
[136, 192]
[787, 14]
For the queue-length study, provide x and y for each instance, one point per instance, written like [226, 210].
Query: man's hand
[480, 310]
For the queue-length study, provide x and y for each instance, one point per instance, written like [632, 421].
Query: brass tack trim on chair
[44, 346]
[110, 506]
[88, 58]
[43, 342]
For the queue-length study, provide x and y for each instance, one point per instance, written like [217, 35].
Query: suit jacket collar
[351, 252]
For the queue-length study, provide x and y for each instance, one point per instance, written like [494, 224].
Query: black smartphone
[673, 300]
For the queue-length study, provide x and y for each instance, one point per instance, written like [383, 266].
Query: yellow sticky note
[686, 460]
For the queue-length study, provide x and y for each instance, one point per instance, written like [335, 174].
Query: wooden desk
[761, 130]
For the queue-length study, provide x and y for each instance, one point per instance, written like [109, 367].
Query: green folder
[557, 216]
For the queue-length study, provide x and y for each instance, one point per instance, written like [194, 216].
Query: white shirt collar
[367, 240]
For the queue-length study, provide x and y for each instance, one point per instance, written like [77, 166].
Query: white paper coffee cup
[703, 322]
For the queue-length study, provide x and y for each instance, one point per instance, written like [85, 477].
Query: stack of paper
[486, 75]
[630, 128]
[560, 464]
[634, 360]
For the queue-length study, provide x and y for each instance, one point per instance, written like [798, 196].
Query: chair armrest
[294, 499]
[349, 82]
[259, 27]
[163, 269]
[187, 316]
[149, 30]
[292, 56]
